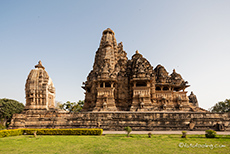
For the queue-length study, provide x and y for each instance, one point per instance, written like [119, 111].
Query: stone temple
[119, 84]
[119, 92]
[40, 91]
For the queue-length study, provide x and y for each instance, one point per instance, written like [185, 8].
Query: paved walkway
[165, 132]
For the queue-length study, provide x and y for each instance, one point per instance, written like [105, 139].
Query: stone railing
[165, 95]
[181, 94]
[172, 95]
[141, 92]
[105, 91]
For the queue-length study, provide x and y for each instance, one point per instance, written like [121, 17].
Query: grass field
[114, 144]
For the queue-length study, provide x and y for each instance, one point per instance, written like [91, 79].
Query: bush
[150, 135]
[11, 132]
[2, 127]
[184, 133]
[210, 133]
[128, 130]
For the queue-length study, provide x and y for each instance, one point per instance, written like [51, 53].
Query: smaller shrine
[39, 89]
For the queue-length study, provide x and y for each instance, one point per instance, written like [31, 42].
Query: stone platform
[116, 121]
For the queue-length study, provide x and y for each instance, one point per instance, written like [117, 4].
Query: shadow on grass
[217, 137]
[130, 136]
[166, 136]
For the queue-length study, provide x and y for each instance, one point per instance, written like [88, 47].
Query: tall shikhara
[119, 84]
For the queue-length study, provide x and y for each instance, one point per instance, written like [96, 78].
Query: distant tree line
[221, 107]
[71, 106]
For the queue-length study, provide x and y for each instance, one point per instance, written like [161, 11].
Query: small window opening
[158, 88]
[141, 84]
[107, 84]
[176, 89]
[101, 85]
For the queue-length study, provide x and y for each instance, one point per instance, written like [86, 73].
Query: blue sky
[191, 36]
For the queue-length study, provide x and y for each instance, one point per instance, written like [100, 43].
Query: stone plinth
[139, 121]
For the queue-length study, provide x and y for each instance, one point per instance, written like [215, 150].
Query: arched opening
[141, 84]
[176, 89]
[158, 88]
[166, 88]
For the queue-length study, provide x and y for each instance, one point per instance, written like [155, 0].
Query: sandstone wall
[118, 120]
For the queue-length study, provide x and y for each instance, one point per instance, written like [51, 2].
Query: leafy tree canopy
[8, 107]
[72, 106]
[221, 107]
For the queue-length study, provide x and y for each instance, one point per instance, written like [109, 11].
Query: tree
[221, 107]
[78, 107]
[8, 107]
[72, 107]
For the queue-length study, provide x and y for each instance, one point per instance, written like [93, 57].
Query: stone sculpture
[193, 99]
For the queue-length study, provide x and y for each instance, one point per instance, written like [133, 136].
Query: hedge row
[12, 132]
[76, 131]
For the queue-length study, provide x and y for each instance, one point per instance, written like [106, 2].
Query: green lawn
[114, 144]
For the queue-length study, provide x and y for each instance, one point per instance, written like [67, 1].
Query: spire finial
[39, 65]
